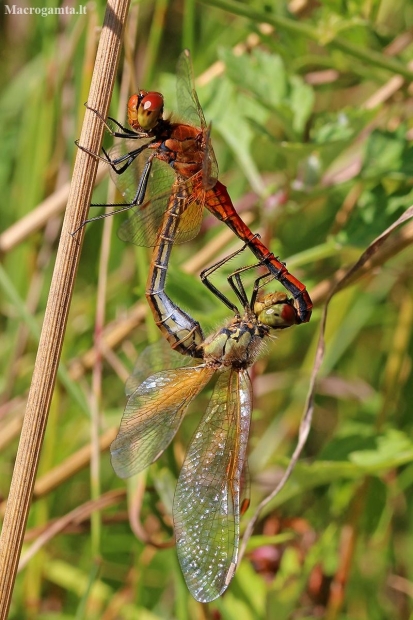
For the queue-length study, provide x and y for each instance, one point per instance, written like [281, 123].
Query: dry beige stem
[37, 218]
[57, 309]
[78, 515]
[70, 466]
[391, 248]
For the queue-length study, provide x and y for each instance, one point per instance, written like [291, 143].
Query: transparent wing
[245, 499]
[192, 209]
[210, 165]
[190, 111]
[160, 180]
[147, 220]
[142, 226]
[155, 358]
[152, 417]
[207, 497]
[189, 108]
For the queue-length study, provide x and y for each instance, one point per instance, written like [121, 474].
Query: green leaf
[259, 73]
[393, 449]
[302, 102]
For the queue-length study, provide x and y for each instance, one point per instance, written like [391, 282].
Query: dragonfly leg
[143, 181]
[122, 207]
[140, 192]
[125, 133]
[113, 163]
[206, 273]
[128, 158]
[138, 199]
[258, 285]
[218, 201]
[239, 289]
[302, 300]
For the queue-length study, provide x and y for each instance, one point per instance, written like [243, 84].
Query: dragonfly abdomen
[183, 333]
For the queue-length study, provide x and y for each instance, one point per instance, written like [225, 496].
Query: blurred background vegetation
[311, 107]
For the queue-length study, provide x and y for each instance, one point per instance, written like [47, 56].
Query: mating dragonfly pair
[167, 173]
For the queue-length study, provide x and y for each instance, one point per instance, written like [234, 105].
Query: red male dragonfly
[209, 499]
[159, 154]
[183, 333]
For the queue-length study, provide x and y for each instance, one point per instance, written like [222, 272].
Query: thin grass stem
[57, 309]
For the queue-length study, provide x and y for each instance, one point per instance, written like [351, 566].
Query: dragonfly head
[145, 110]
[275, 310]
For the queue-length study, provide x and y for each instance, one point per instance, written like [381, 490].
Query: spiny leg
[239, 291]
[206, 273]
[220, 204]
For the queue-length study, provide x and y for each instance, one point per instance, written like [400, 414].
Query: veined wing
[245, 498]
[192, 212]
[161, 177]
[190, 111]
[147, 220]
[210, 164]
[189, 108]
[155, 358]
[207, 497]
[152, 417]
[143, 224]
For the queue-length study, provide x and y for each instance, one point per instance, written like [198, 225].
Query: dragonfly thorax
[237, 345]
[185, 148]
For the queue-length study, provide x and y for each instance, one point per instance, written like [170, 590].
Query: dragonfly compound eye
[133, 105]
[276, 311]
[145, 110]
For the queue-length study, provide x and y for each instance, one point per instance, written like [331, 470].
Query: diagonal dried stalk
[37, 218]
[76, 516]
[57, 309]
